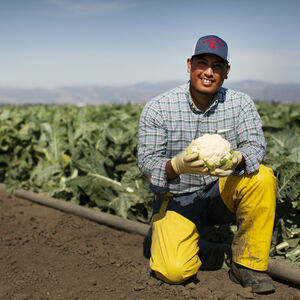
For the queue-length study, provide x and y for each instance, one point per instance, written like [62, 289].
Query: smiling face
[207, 74]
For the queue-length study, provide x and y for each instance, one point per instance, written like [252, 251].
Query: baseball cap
[211, 44]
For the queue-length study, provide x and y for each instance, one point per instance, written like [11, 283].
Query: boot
[259, 281]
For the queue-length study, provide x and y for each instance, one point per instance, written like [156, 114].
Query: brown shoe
[259, 281]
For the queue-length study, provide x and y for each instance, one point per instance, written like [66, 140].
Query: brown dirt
[48, 254]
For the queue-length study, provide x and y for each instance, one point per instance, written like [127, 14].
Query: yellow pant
[174, 248]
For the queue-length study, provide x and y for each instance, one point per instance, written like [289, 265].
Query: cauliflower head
[213, 150]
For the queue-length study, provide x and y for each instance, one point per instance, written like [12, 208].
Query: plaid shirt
[169, 122]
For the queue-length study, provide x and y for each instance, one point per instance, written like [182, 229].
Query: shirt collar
[194, 108]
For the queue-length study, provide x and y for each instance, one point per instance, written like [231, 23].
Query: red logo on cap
[213, 43]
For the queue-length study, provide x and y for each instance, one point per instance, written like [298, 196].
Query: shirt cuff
[251, 162]
[159, 184]
[158, 178]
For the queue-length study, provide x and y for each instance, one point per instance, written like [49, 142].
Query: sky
[53, 43]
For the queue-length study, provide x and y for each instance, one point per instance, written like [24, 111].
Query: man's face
[207, 73]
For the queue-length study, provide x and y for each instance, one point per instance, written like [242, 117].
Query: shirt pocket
[229, 134]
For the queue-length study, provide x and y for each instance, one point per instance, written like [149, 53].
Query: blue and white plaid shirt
[169, 123]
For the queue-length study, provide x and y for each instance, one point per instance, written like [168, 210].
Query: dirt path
[48, 254]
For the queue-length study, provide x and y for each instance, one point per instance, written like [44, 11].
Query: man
[188, 196]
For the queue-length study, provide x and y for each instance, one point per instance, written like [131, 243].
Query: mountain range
[138, 93]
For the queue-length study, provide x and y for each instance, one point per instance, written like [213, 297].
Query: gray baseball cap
[211, 44]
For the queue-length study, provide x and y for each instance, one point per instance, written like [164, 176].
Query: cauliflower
[213, 150]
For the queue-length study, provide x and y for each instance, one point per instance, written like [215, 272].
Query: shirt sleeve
[152, 142]
[251, 141]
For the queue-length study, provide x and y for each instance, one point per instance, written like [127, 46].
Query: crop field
[87, 155]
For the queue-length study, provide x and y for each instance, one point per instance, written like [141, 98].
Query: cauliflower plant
[213, 150]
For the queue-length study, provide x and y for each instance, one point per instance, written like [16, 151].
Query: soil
[48, 254]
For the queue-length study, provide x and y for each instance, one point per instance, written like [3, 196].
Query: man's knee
[265, 184]
[265, 177]
[177, 271]
[252, 190]
[174, 248]
[257, 197]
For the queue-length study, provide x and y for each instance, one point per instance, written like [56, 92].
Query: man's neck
[202, 101]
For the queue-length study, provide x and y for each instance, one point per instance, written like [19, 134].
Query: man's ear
[189, 65]
[227, 71]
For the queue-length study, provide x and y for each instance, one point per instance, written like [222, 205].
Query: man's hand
[188, 163]
[237, 160]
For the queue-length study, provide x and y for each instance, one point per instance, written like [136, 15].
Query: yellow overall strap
[162, 211]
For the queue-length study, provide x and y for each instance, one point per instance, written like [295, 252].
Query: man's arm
[251, 141]
[241, 165]
[152, 143]
[170, 171]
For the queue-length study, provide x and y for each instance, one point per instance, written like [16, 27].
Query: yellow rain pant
[174, 248]
[252, 198]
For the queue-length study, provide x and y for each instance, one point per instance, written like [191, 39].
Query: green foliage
[281, 125]
[86, 155]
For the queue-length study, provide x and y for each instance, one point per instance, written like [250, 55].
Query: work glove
[188, 163]
[236, 160]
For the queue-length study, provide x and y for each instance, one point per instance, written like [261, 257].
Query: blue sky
[51, 43]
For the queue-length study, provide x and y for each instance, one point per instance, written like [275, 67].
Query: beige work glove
[237, 158]
[188, 163]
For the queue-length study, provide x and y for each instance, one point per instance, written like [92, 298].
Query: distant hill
[137, 93]
[260, 90]
[140, 93]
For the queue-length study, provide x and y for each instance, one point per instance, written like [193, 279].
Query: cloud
[92, 6]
